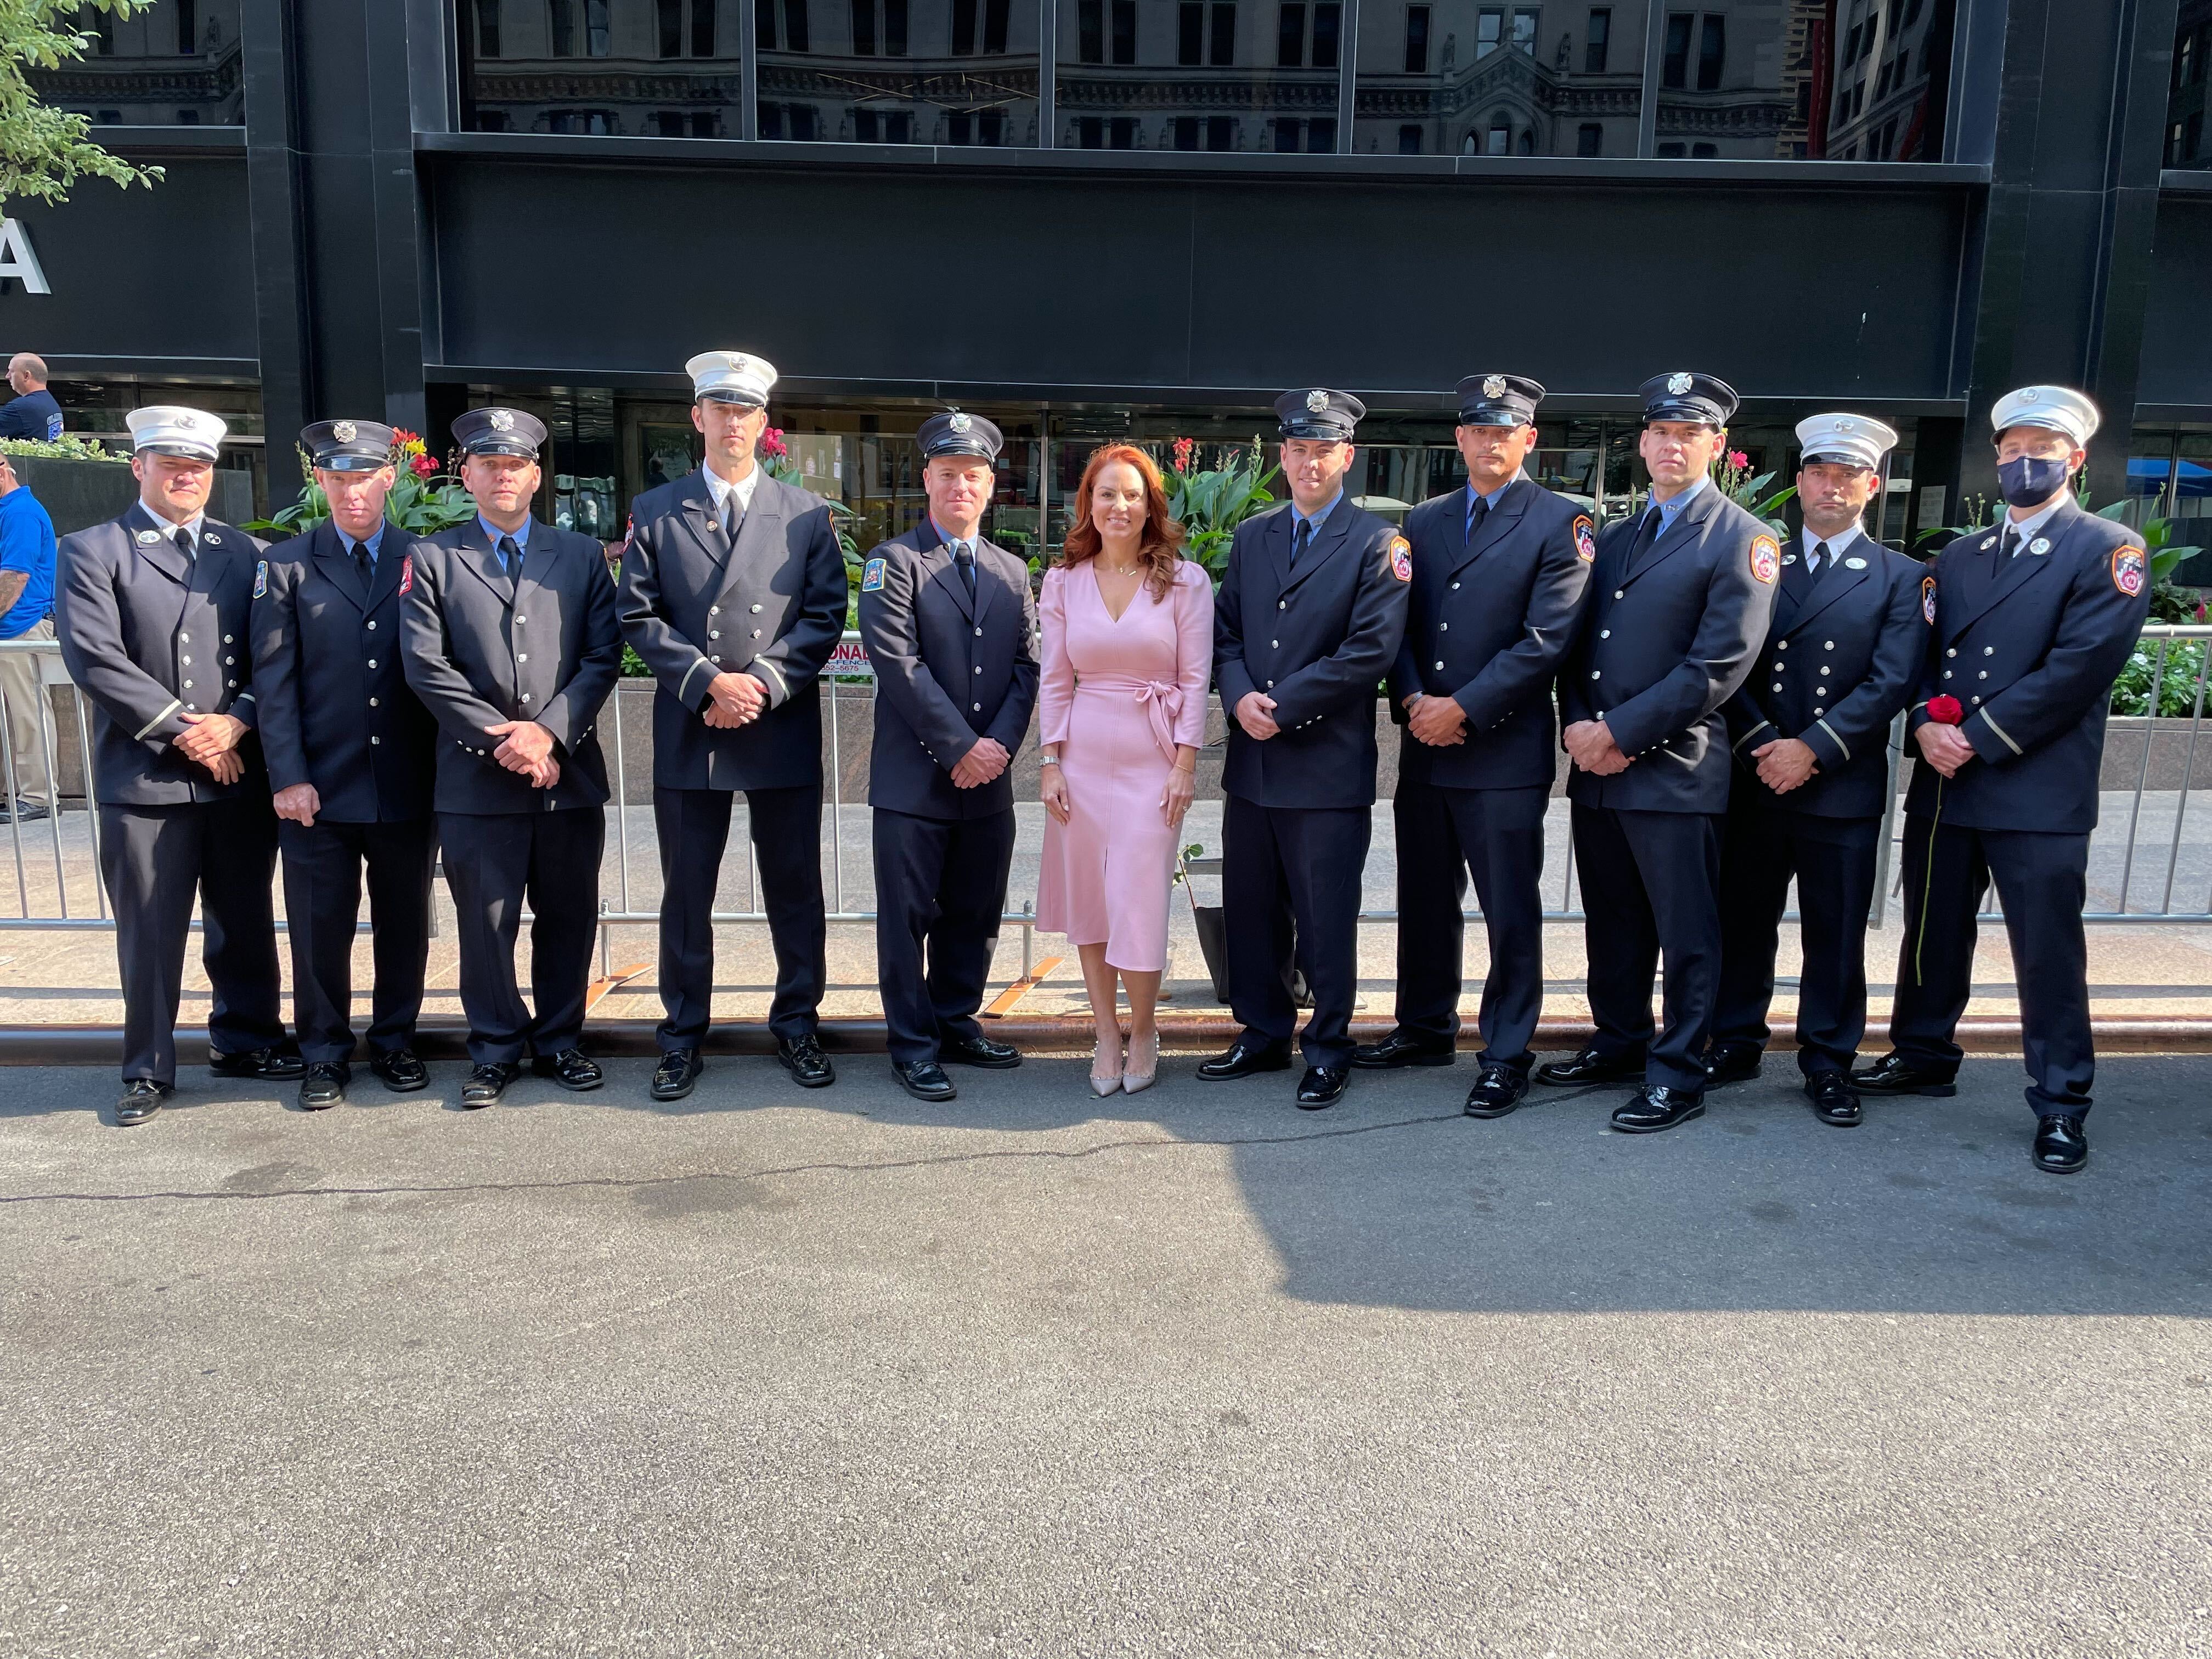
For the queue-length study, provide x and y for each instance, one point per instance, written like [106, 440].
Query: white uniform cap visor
[730, 377]
[1845, 440]
[2059, 407]
[170, 429]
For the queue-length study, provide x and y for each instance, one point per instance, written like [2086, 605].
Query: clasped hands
[1785, 763]
[1943, 747]
[526, 749]
[211, 741]
[1440, 722]
[1590, 745]
[733, 699]
[980, 764]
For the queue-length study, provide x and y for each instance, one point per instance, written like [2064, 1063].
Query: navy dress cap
[1685, 396]
[1499, 400]
[500, 432]
[1319, 413]
[348, 446]
[955, 432]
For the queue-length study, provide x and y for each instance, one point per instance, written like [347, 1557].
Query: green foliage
[68, 447]
[776, 463]
[2158, 542]
[418, 505]
[2178, 672]
[1210, 505]
[43, 150]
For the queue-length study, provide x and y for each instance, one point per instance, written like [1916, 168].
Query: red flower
[1738, 459]
[771, 443]
[403, 437]
[1184, 448]
[1945, 711]
[424, 467]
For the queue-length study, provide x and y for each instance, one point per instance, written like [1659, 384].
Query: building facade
[1097, 219]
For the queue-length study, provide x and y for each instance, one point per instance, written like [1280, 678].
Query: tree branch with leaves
[44, 151]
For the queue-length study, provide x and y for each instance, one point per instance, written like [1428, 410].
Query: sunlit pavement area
[1187, 1372]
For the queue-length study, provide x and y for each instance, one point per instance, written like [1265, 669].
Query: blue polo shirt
[27, 544]
[33, 414]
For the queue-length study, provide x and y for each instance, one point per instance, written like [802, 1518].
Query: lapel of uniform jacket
[987, 580]
[1495, 523]
[480, 559]
[161, 552]
[384, 577]
[700, 518]
[937, 566]
[541, 562]
[2016, 572]
[1327, 542]
[758, 532]
[327, 546]
[1831, 585]
[1688, 526]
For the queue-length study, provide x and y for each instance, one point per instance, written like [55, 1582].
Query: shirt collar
[375, 542]
[1671, 510]
[169, 531]
[1316, 519]
[2025, 529]
[721, 488]
[955, 543]
[493, 533]
[1837, 543]
[1495, 495]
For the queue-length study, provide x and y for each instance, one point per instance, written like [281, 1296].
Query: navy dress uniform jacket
[2030, 649]
[1488, 624]
[1318, 640]
[357, 733]
[1842, 657]
[482, 649]
[772, 605]
[1669, 636]
[149, 635]
[949, 671]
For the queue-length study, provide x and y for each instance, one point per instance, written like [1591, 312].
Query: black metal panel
[150, 281]
[2177, 346]
[1138, 284]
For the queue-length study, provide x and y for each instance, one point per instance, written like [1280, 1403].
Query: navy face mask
[2029, 481]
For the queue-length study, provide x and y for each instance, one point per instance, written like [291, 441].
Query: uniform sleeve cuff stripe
[684, 685]
[1838, 742]
[175, 703]
[780, 683]
[2002, 733]
[1763, 726]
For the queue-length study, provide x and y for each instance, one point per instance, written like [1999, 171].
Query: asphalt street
[1182, 1373]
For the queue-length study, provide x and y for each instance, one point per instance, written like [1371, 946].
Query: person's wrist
[1048, 760]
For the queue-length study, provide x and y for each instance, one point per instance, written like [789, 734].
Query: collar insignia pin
[147, 538]
[2040, 545]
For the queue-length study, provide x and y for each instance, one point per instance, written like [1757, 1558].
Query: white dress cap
[1850, 439]
[2060, 408]
[172, 429]
[730, 377]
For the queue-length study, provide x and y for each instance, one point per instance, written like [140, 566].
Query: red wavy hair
[1159, 543]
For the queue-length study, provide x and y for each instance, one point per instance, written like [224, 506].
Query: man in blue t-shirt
[33, 412]
[27, 604]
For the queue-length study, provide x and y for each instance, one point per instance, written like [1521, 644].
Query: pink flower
[771, 443]
[1738, 459]
[1184, 448]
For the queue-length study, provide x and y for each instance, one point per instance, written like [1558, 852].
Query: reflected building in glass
[1882, 74]
[2185, 141]
[1199, 75]
[174, 64]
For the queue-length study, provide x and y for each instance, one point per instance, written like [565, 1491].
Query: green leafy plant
[423, 500]
[44, 150]
[775, 458]
[68, 447]
[2178, 679]
[1210, 504]
[1732, 472]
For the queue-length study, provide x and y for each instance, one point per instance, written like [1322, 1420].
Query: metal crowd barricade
[2170, 668]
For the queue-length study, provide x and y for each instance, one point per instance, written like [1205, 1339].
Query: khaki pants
[20, 683]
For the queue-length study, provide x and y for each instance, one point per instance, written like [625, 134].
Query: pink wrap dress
[1118, 697]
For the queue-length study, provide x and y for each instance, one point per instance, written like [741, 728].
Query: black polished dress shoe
[1322, 1086]
[1400, 1048]
[274, 1064]
[399, 1071]
[325, 1085]
[1591, 1067]
[978, 1051]
[1497, 1091]
[1243, 1058]
[810, 1067]
[679, 1070]
[1657, 1107]
[141, 1098]
[488, 1081]
[2061, 1145]
[1731, 1062]
[1893, 1074]
[924, 1079]
[570, 1069]
[1834, 1100]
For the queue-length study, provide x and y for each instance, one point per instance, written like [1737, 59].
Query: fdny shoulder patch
[1765, 558]
[871, 577]
[1585, 540]
[2129, 570]
[1928, 600]
[1401, 558]
[260, 578]
[406, 573]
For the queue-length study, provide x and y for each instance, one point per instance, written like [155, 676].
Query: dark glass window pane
[764, 26]
[1409, 141]
[1595, 39]
[895, 28]
[1286, 135]
[1320, 136]
[1190, 34]
[116, 85]
[1186, 133]
[1092, 25]
[1290, 35]
[964, 28]
[803, 125]
[487, 28]
[1589, 139]
[1125, 31]
[771, 120]
[595, 27]
[1675, 69]
[703, 26]
[1327, 17]
[1122, 135]
[187, 29]
[995, 14]
[1220, 133]
[2186, 100]
[1091, 133]
[1417, 40]
[670, 20]
[1223, 52]
[1489, 31]
[1712, 53]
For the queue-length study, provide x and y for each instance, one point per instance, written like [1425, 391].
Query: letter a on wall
[16, 259]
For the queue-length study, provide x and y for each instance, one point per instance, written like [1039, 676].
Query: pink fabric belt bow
[1162, 700]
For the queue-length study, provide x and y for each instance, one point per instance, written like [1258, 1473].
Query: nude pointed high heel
[1134, 1082]
[1103, 1086]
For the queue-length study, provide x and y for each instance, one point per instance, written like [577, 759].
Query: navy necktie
[364, 563]
[1475, 516]
[1819, 559]
[510, 556]
[965, 561]
[1301, 539]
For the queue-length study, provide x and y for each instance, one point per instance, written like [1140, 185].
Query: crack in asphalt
[1066, 1154]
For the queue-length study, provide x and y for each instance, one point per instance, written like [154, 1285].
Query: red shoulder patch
[1765, 558]
[406, 572]
[1928, 600]
[2129, 570]
[1401, 558]
[1585, 540]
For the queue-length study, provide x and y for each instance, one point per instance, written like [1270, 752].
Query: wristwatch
[1048, 760]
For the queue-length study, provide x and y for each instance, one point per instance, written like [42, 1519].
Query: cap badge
[961, 419]
[147, 538]
[1493, 386]
[344, 431]
[1317, 401]
[1845, 426]
[501, 421]
[1679, 383]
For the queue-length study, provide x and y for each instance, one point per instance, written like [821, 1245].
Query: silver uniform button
[1782, 645]
[1946, 673]
[1831, 644]
[756, 611]
[1605, 632]
[979, 709]
[191, 708]
[979, 671]
[1280, 605]
[1443, 628]
[714, 609]
[184, 639]
[718, 659]
[757, 633]
[188, 685]
[979, 635]
[519, 621]
[1593, 673]
[372, 624]
[227, 661]
[1275, 644]
[1953, 652]
[371, 703]
[1455, 587]
[188, 662]
[1824, 668]
[376, 739]
[226, 639]
[1989, 651]
[1984, 675]
[1439, 665]
[714, 633]
[522, 656]
[233, 686]
[525, 696]
[372, 662]
[1777, 685]
[1975, 700]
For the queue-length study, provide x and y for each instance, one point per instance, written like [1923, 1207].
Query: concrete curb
[102, 1045]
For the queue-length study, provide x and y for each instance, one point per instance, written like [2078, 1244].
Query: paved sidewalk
[1188, 1373]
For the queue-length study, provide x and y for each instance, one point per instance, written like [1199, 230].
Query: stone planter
[80, 494]
[2167, 739]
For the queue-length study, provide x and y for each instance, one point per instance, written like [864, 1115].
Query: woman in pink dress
[1127, 627]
